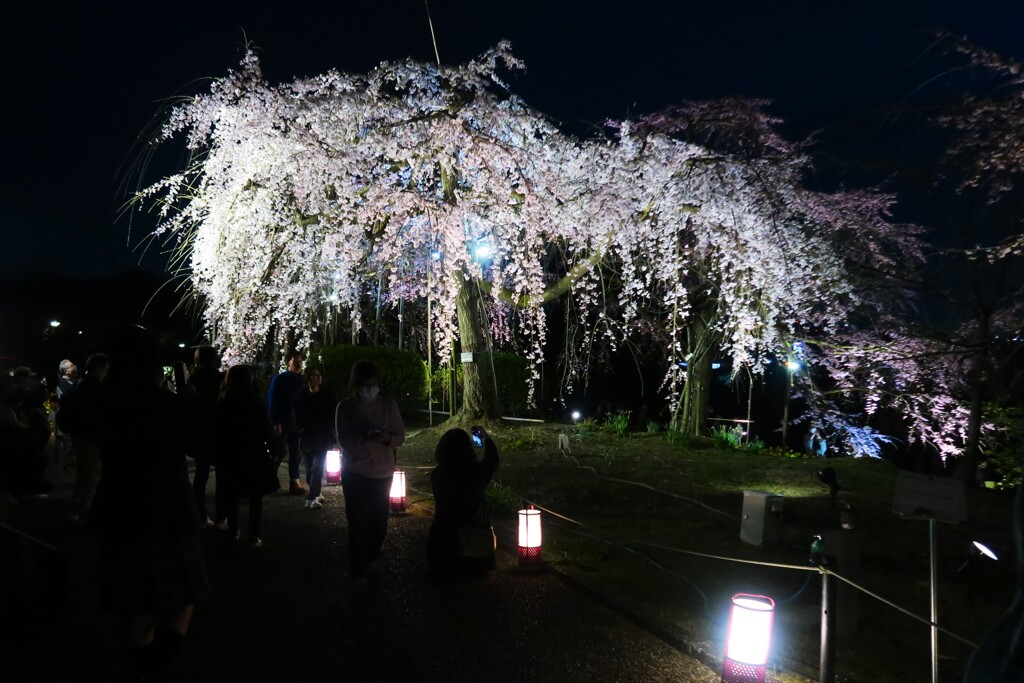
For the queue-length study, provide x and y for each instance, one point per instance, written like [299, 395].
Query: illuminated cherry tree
[438, 184]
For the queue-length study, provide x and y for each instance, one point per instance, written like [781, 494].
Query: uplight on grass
[749, 638]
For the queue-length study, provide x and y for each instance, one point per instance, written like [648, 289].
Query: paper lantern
[750, 636]
[529, 537]
[332, 466]
[398, 491]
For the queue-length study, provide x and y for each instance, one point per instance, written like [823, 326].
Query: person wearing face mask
[369, 428]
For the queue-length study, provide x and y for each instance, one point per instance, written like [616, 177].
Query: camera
[478, 436]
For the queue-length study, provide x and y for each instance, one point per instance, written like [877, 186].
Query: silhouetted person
[78, 418]
[460, 511]
[314, 419]
[144, 511]
[284, 389]
[245, 465]
[24, 433]
[67, 380]
[205, 383]
[369, 428]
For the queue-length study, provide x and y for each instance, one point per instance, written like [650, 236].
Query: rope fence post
[827, 663]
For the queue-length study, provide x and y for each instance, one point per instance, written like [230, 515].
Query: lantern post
[398, 502]
[749, 638]
[529, 538]
[332, 466]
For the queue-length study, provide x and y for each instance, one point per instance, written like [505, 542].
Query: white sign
[467, 356]
[920, 496]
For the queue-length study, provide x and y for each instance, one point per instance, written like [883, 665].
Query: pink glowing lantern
[398, 492]
[529, 538]
[332, 466]
[750, 636]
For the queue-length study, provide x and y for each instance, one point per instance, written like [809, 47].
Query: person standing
[284, 389]
[205, 382]
[67, 380]
[314, 418]
[369, 428]
[78, 418]
[245, 464]
[144, 511]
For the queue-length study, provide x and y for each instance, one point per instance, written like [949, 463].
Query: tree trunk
[479, 397]
[701, 345]
[978, 376]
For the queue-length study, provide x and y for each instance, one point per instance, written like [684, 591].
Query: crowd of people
[131, 432]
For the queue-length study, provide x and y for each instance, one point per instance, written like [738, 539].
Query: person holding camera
[369, 428]
[461, 539]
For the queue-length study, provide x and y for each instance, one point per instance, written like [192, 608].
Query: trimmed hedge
[403, 373]
[511, 372]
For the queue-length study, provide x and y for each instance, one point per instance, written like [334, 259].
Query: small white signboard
[920, 496]
[467, 356]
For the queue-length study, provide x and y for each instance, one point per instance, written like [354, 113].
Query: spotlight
[576, 415]
[975, 552]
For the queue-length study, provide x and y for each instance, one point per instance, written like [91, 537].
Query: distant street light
[54, 324]
[181, 345]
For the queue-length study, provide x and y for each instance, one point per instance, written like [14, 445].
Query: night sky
[82, 82]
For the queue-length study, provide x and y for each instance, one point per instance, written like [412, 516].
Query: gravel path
[284, 612]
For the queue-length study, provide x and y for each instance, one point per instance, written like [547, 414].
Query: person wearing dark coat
[204, 385]
[245, 465]
[314, 418]
[77, 418]
[284, 389]
[459, 482]
[143, 511]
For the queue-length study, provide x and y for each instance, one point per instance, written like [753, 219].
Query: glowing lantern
[529, 537]
[398, 491]
[750, 635]
[332, 464]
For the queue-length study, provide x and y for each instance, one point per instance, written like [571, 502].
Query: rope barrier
[776, 565]
[28, 537]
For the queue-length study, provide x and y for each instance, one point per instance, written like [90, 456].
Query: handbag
[477, 541]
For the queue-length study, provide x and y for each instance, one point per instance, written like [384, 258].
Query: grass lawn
[697, 506]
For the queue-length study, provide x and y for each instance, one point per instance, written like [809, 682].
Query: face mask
[369, 392]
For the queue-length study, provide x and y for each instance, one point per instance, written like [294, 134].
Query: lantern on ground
[748, 640]
[398, 492]
[332, 466]
[529, 538]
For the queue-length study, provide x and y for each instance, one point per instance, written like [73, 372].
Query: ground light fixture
[529, 538]
[749, 638]
[576, 415]
[332, 466]
[398, 492]
[977, 551]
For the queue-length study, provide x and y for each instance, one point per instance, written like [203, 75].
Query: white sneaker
[256, 543]
[321, 499]
[314, 504]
